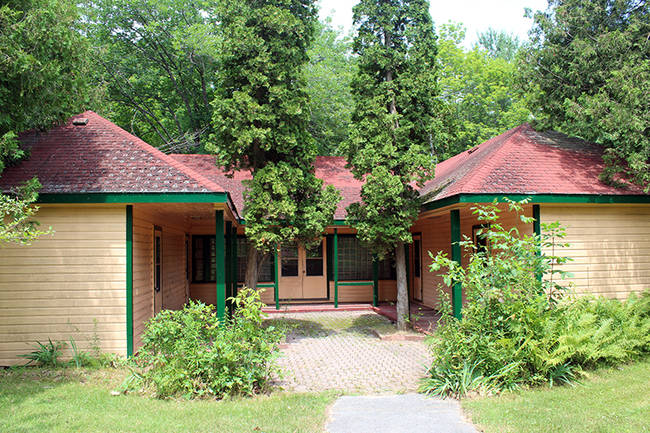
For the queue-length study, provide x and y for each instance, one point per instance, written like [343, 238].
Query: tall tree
[395, 124]
[43, 70]
[156, 59]
[587, 73]
[328, 75]
[261, 124]
[499, 44]
[479, 85]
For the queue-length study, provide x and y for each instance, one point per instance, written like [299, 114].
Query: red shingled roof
[524, 161]
[329, 168]
[100, 157]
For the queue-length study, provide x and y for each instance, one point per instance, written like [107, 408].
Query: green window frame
[204, 259]
[267, 272]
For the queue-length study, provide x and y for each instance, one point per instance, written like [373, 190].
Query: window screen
[355, 261]
[204, 259]
[266, 272]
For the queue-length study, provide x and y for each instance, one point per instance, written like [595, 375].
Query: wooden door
[290, 281]
[314, 281]
[416, 267]
[157, 270]
[303, 273]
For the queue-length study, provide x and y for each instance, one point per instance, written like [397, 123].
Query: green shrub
[517, 326]
[46, 355]
[191, 353]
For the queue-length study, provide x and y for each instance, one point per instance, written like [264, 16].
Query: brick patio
[342, 352]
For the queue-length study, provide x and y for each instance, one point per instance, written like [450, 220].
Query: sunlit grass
[608, 400]
[65, 400]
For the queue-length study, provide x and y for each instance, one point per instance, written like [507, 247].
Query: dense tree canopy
[328, 75]
[261, 122]
[587, 73]
[43, 79]
[395, 125]
[156, 60]
[479, 86]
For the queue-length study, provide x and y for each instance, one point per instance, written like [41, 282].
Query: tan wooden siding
[387, 292]
[436, 237]
[174, 283]
[609, 245]
[71, 284]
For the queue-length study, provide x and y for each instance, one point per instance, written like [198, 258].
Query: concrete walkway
[406, 413]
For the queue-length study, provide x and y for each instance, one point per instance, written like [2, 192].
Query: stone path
[342, 351]
[407, 413]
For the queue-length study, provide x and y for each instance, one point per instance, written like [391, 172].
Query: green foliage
[16, 215]
[328, 76]
[43, 69]
[396, 123]
[191, 353]
[587, 73]
[46, 355]
[285, 203]
[80, 358]
[519, 329]
[479, 85]
[156, 59]
[261, 123]
[499, 44]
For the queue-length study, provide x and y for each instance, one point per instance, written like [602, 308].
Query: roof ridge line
[508, 134]
[206, 183]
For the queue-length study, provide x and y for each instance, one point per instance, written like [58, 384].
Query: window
[289, 260]
[416, 258]
[204, 259]
[314, 261]
[480, 239]
[355, 261]
[387, 269]
[157, 260]
[266, 272]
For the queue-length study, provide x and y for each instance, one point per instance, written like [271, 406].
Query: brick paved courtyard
[342, 351]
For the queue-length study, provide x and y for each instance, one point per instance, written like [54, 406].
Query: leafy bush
[518, 327]
[191, 353]
[46, 355]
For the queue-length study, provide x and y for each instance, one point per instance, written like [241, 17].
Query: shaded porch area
[424, 319]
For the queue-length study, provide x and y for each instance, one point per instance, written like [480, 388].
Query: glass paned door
[302, 272]
[416, 271]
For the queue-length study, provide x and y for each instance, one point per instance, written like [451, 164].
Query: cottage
[136, 231]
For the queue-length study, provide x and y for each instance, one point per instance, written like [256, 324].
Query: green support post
[221, 264]
[336, 268]
[233, 262]
[457, 290]
[537, 228]
[276, 276]
[129, 280]
[375, 282]
[228, 234]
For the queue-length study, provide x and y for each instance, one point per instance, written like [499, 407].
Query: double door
[302, 273]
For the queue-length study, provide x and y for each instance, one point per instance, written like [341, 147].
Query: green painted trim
[340, 223]
[375, 282]
[355, 283]
[234, 261]
[228, 273]
[457, 290]
[129, 281]
[220, 258]
[265, 285]
[154, 197]
[276, 276]
[336, 268]
[537, 198]
[537, 229]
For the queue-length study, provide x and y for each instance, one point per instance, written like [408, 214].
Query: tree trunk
[402, 307]
[252, 270]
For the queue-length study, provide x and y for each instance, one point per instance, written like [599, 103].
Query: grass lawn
[65, 400]
[608, 400]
